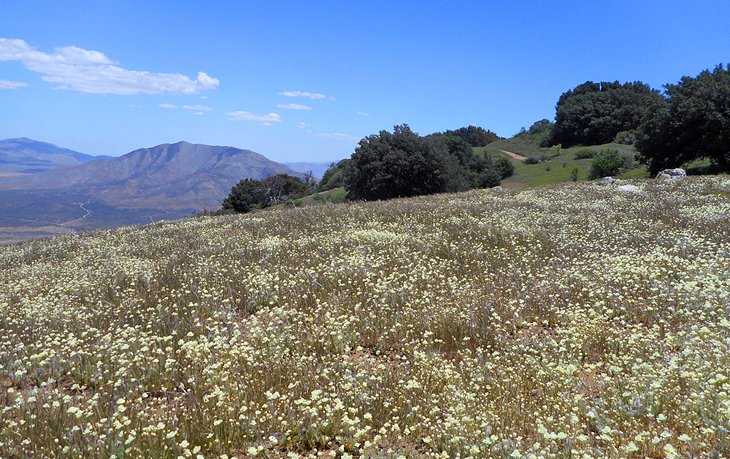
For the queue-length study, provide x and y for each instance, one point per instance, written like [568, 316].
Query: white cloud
[294, 107]
[7, 84]
[338, 136]
[302, 125]
[363, 114]
[198, 108]
[310, 95]
[248, 116]
[198, 113]
[92, 72]
[168, 106]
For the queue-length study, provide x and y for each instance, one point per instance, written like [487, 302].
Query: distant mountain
[166, 181]
[28, 156]
[317, 169]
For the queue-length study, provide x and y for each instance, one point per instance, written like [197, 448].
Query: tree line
[403, 164]
[389, 165]
[689, 120]
[686, 121]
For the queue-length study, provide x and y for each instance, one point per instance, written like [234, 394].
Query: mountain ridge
[171, 179]
[153, 170]
[23, 156]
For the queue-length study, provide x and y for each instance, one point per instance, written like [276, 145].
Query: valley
[165, 182]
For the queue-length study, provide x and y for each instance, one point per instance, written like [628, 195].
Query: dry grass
[566, 321]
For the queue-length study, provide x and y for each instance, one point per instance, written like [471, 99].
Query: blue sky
[303, 81]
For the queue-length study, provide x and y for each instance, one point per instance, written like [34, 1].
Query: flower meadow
[567, 321]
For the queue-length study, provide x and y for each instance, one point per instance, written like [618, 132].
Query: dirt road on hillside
[514, 155]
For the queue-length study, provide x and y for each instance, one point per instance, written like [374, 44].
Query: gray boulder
[607, 181]
[629, 188]
[672, 173]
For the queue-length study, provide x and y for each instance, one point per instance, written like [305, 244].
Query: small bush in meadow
[608, 162]
[585, 154]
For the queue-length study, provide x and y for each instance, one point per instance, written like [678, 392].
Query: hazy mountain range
[316, 169]
[28, 156]
[61, 190]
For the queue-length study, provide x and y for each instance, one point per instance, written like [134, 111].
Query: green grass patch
[637, 173]
[333, 195]
[559, 165]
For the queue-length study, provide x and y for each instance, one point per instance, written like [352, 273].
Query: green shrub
[608, 162]
[585, 154]
[334, 177]
[503, 166]
[403, 164]
[249, 194]
[489, 178]
[626, 137]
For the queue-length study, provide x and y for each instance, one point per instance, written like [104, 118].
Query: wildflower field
[574, 320]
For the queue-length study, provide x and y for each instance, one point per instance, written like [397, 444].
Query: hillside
[573, 319]
[166, 181]
[558, 164]
[27, 156]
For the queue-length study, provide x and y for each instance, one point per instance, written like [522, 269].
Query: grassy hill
[559, 165]
[567, 320]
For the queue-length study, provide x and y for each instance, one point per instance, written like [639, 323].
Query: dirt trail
[88, 212]
[514, 155]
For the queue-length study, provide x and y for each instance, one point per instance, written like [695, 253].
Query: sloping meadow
[569, 320]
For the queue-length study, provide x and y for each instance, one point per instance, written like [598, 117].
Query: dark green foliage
[489, 178]
[280, 188]
[249, 194]
[537, 158]
[608, 162]
[475, 136]
[692, 122]
[402, 164]
[585, 154]
[244, 196]
[334, 176]
[503, 166]
[466, 170]
[626, 137]
[539, 133]
[540, 127]
[593, 113]
[399, 164]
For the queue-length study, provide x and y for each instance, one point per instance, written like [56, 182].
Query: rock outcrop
[672, 173]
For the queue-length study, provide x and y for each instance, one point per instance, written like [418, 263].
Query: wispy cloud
[168, 106]
[198, 108]
[294, 107]
[338, 136]
[93, 72]
[302, 125]
[7, 84]
[248, 116]
[307, 94]
[362, 113]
